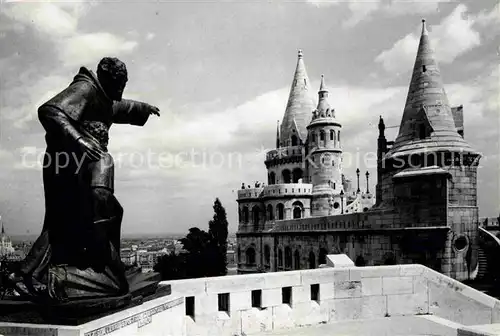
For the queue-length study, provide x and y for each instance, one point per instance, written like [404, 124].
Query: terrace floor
[423, 325]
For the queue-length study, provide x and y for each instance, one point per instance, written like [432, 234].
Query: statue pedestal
[163, 315]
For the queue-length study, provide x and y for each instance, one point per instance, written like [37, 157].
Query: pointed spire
[278, 134]
[299, 106]
[381, 127]
[322, 86]
[323, 110]
[427, 104]
[424, 28]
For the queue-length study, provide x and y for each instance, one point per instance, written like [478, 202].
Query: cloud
[362, 10]
[359, 9]
[90, 48]
[404, 7]
[489, 21]
[454, 36]
[59, 23]
[47, 18]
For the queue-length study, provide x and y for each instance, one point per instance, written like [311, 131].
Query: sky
[220, 72]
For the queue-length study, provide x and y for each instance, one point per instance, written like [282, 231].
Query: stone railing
[246, 304]
[255, 303]
[291, 189]
[250, 193]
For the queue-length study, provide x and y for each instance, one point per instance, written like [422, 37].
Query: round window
[336, 205]
[461, 243]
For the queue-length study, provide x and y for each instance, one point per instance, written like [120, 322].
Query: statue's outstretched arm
[132, 112]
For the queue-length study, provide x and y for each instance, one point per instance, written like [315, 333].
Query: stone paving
[390, 326]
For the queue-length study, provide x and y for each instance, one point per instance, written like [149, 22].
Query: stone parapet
[250, 193]
[328, 295]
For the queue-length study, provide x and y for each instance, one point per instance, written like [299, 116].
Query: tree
[205, 252]
[198, 257]
[171, 266]
[218, 231]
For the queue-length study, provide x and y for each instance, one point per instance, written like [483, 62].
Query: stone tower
[429, 175]
[323, 159]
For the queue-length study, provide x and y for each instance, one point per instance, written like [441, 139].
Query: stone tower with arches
[304, 177]
[324, 158]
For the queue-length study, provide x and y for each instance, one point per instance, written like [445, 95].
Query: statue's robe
[77, 254]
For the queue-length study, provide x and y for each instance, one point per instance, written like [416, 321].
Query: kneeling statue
[77, 255]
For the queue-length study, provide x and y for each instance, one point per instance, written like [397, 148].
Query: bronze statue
[77, 255]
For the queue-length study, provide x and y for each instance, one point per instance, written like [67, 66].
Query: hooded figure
[77, 253]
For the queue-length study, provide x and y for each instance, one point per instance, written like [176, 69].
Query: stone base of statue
[143, 287]
[163, 315]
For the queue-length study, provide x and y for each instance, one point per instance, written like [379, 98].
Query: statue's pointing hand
[154, 110]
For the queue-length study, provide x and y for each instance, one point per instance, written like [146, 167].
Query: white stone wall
[345, 294]
[163, 316]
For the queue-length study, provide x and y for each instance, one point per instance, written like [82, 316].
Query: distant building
[488, 222]
[6, 249]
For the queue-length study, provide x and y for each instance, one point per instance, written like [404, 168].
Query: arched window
[281, 211]
[297, 212]
[256, 215]
[272, 178]
[280, 258]
[267, 255]
[287, 176]
[288, 257]
[312, 260]
[360, 261]
[297, 209]
[250, 256]
[322, 135]
[296, 260]
[270, 212]
[295, 140]
[332, 135]
[322, 256]
[338, 136]
[245, 214]
[297, 175]
[313, 137]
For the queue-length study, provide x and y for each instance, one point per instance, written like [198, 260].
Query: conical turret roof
[300, 104]
[427, 123]
[323, 110]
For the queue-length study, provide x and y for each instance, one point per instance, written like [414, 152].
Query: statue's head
[112, 74]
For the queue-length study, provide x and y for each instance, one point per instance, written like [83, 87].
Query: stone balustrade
[288, 189]
[265, 302]
[254, 303]
[250, 193]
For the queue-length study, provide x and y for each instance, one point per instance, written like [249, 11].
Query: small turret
[325, 151]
